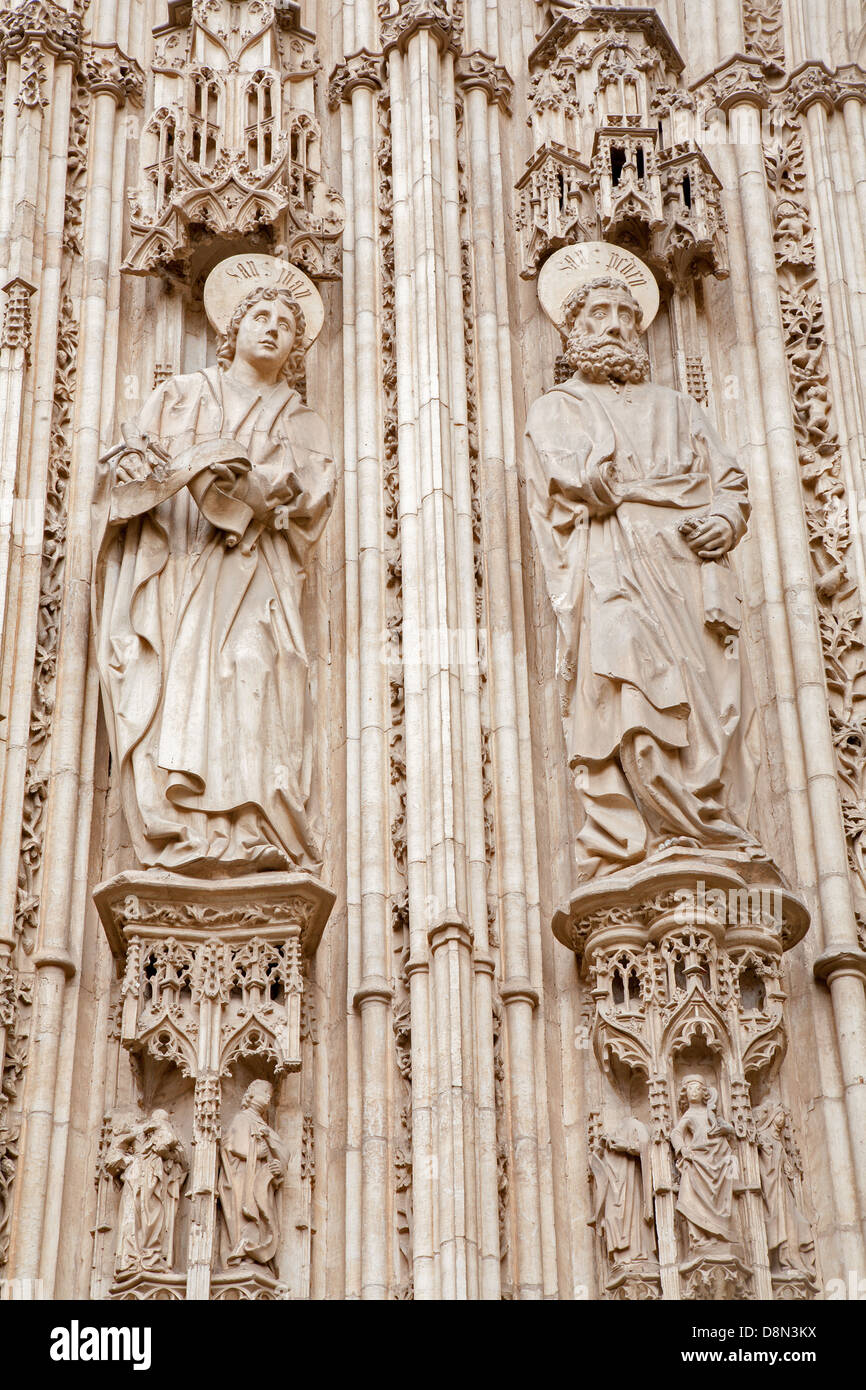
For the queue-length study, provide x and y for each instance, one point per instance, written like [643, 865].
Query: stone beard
[206, 518]
[634, 502]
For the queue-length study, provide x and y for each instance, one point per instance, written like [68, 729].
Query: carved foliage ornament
[43, 24]
[839, 605]
[763, 32]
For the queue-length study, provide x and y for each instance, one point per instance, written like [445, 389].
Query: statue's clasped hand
[228, 473]
[138, 458]
[598, 488]
[710, 537]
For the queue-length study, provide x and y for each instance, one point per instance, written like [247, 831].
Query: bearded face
[604, 359]
[603, 344]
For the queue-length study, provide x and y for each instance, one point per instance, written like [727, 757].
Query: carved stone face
[258, 1096]
[604, 340]
[266, 336]
[695, 1090]
[608, 315]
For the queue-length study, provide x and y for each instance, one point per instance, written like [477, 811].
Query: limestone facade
[358, 939]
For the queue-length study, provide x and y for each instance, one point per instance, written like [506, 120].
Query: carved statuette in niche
[148, 1159]
[790, 1242]
[620, 1164]
[635, 504]
[206, 516]
[252, 1169]
[708, 1168]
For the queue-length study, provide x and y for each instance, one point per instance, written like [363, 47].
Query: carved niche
[212, 989]
[232, 147]
[696, 1177]
[615, 155]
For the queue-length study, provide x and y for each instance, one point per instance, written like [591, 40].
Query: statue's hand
[710, 537]
[230, 471]
[600, 496]
[132, 467]
[285, 491]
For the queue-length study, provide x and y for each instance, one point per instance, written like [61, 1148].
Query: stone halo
[233, 278]
[572, 266]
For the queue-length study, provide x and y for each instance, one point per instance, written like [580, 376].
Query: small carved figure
[623, 1208]
[252, 1169]
[148, 1159]
[789, 1235]
[708, 1169]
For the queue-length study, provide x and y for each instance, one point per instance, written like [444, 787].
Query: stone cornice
[840, 959]
[741, 79]
[361, 69]
[808, 83]
[850, 83]
[54, 29]
[414, 16]
[479, 69]
[107, 68]
[748, 79]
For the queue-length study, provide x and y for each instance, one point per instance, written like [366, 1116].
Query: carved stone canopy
[232, 146]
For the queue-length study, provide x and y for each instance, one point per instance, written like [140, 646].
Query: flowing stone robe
[708, 1168]
[197, 608]
[150, 1163]
[659, 713]
[622, 1213]
[247, 1186]
[788, 1231]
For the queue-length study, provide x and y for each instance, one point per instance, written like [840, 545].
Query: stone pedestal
[212, 973]
[682, 957]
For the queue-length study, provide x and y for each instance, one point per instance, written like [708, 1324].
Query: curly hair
[293, 369]
[576, 300]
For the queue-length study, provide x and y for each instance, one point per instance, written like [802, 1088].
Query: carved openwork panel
[232, 146]
[696, 1178]
[616, 154]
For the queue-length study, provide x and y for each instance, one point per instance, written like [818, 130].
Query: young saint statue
[206, 516]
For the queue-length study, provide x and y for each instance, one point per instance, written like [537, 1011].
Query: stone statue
[206, 516]
[252, 1169]
[635, 504]
[623, 1206]
[789, 1235]
[148, 1158]
[708, 1168]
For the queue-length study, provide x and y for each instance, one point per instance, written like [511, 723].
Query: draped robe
[708, 1170]
[200, 644]
[622, 1213]
[659, 713]
[248, 1189]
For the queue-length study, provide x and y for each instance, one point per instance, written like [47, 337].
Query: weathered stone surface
[432, 866]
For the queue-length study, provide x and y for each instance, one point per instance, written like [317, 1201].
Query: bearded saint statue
[206, 517]
[635, 504]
